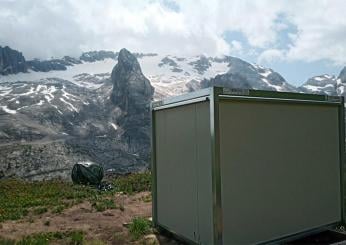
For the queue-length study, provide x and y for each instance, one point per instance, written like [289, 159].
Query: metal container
[247, 167]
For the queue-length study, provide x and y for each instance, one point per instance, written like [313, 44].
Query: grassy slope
[20, 199]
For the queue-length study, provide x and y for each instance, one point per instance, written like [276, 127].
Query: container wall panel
[182, 136]
[280, 169]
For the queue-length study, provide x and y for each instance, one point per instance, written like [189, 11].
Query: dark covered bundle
[87, 173]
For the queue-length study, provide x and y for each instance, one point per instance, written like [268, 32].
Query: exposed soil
[108, 226]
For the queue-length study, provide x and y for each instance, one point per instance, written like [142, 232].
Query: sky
[297, 38]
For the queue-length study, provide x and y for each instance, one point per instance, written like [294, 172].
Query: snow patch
[266, 73]
[71, 108]
[114, 126]
[277, 88]
[313, 88]
[7, 110]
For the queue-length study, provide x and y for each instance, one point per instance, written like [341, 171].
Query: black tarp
[87, 173]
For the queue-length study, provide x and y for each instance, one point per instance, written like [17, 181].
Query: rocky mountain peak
[128, 61]
[11, 61]
[132, 91]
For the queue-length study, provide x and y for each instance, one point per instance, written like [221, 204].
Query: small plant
[47, 223]
[77, 238]
[58, 209]
[103, 205]
[40, 210]
[139, 227]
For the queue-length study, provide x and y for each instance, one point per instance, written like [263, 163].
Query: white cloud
[270, 55]
[55, 28]
[321, 31]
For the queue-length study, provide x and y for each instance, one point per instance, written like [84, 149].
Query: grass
[71, 238]
[103, 205]
[139, 227]
[133, 183]
[20, 198]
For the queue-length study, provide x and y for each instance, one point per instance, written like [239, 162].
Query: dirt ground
[108, 226]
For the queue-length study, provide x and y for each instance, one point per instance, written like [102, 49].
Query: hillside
[57, 112]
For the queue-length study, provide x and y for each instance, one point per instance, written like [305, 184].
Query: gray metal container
[246, 167]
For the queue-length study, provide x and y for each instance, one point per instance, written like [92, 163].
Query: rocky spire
[11, 61]
[132, 93]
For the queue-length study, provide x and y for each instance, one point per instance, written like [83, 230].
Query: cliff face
[132, 93]
[11, 61]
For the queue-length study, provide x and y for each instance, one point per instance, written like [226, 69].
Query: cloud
[321, 31]
[68, 27]
[271, 55]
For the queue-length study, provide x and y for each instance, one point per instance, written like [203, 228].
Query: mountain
[323, 84]
[244, 75]
[132, 93]
[58, 112]
[11, 61]
[47, 125]
[326, 84]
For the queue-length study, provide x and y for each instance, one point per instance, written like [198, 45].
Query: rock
[93, 56]
[132, 93]
[52, 64]
[11, 61]
[201, 65]
[168, 61]
[150, 239]
[227, 80]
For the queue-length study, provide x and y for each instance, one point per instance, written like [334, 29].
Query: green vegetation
[104, 204]
[72, 238]
[139, 227]
[132, 183]
[20, 198]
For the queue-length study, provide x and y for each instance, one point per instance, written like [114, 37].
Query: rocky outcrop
[228, 80]
[11, 61]
[93, 56]
[201, 65]
[53, 64]
[132, 93]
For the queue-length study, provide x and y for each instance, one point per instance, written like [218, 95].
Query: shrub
[139, 227]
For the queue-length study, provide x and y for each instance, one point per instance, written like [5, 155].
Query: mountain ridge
[98, 111]
[240, 73]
